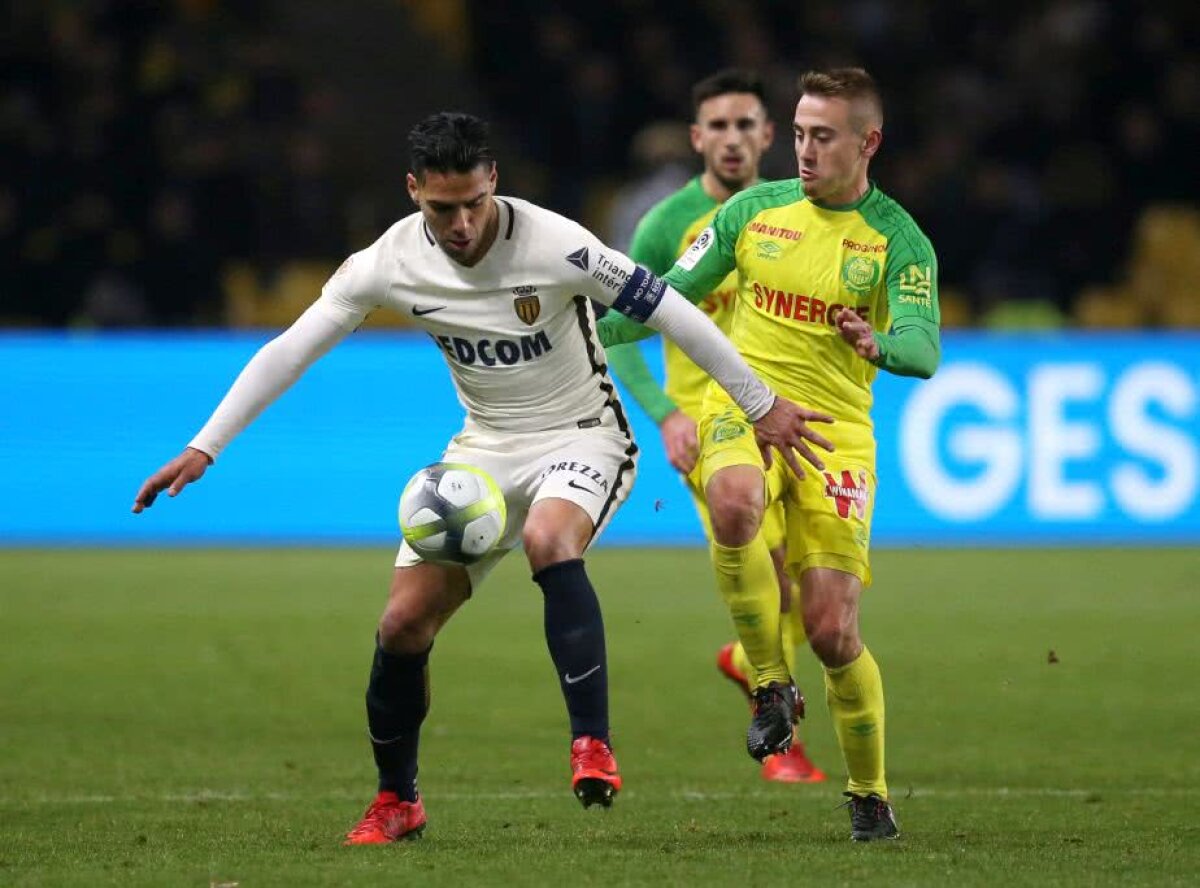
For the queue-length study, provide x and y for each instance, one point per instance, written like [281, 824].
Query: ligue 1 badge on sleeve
[698, 248]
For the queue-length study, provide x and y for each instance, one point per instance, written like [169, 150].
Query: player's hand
[857, 333]
[785, 428]
[679, 440]
[173, 477]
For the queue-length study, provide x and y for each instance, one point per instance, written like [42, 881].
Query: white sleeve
[702, 341]
[269, 373]
[353, 291]
[615, 280]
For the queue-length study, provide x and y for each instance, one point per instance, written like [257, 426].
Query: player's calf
[575, 636]
[830, 603]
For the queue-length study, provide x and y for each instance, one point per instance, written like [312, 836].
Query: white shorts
[593, 468]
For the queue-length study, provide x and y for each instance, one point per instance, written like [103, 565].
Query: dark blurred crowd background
[208, 162]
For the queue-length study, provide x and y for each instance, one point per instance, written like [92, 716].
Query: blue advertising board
[1029, 439]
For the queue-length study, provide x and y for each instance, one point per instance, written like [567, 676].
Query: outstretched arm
[269, 373]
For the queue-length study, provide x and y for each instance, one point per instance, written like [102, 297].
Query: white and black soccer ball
[452, 513]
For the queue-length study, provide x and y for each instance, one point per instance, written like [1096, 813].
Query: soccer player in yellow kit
[731, 131]
[835, 281]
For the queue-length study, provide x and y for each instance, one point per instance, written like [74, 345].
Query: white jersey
[516, 330]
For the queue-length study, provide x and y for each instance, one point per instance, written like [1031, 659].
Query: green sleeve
[650, 247]
[912, 348]
[616, 329]
[913, 345]
[711, 256]
[631, 368]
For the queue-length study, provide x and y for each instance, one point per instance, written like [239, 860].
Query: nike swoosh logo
[421, 312]
[379, 742]
[572, 483]
[575, 679]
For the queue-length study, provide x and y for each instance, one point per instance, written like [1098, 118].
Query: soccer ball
[451, 513]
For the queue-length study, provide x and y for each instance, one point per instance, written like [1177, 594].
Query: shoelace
[864, 812]
[376, 816]
[765, 696]
[594, 755]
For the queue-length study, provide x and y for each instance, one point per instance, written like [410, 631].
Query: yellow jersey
[797, 263]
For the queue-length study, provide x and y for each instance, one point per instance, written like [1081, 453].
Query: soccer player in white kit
[502, 287]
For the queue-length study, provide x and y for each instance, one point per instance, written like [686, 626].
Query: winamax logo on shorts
[848, 495]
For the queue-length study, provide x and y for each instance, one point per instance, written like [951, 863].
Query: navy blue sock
[397, 700]
[575, 636]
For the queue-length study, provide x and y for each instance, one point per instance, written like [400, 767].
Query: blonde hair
[854, 85]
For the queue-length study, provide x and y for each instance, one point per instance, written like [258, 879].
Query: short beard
[731, 185]
[808, 192]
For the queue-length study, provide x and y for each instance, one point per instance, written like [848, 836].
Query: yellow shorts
[827, 514]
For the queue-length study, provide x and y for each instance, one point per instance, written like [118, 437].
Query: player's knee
[832, 635]
[736, 508]
[405, 630]
[547, 544]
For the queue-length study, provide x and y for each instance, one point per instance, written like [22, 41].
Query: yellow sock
[746, 581]
[787, 639]
[854, 693]
[792, 628]
[792, 638]
[742, 663]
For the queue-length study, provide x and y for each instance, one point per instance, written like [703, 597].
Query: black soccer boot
[774, 713]
[871, 818]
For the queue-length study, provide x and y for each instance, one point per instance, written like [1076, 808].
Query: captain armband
[640, 295]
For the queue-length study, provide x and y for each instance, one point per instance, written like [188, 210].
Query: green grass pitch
[196, 718]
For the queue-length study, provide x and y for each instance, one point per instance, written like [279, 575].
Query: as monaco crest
[527, 305]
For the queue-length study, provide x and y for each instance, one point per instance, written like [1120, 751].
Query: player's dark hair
[851, 84]
[725, 81]
[449, 142]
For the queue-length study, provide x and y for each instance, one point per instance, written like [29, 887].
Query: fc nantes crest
[527, 305]
[860, 274]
